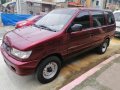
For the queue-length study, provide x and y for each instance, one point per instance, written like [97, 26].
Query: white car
[117, 19]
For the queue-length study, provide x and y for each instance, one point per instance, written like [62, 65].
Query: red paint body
[44, 43]
[28, 22]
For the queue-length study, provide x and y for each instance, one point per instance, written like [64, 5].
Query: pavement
[105, 76]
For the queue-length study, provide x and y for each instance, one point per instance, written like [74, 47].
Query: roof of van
[94, 9]
[82, 8]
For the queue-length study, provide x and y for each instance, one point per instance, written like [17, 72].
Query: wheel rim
[50, 70]
[104, 47]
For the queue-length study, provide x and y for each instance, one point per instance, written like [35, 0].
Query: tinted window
[83, 18]
[98, 18]
[110, 17]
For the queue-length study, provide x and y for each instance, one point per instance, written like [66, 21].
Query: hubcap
[104, 47]
[50, 70]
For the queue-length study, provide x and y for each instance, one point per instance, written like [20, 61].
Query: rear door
[110, 23]
[98, 27]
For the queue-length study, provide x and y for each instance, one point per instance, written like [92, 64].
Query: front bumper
[21, 68]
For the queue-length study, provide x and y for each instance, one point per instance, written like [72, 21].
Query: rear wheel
[103, 47]
[48, 69]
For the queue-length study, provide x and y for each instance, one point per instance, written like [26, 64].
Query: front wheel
[103, 47]
[48, 69]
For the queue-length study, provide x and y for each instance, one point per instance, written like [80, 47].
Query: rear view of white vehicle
[117, 20]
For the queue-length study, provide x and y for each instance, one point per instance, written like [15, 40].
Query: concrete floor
[75, 67]
[107, 78]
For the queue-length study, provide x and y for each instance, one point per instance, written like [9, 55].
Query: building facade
[44, 6]
[97, 4]
[38, 6]
[88, 3]
[103, 4]
[113, 4]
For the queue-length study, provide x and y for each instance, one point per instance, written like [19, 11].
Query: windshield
[56, 19]
[117, 16]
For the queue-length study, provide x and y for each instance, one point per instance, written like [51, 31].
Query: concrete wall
[21, 7]
[0, 21]
[36, 8]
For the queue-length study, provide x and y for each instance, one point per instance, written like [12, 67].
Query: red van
[63, 33]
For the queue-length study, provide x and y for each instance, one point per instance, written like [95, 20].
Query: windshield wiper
[35, 25]
[44, 27]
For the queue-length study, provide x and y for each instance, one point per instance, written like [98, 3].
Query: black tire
[39, 72]
[103, 47]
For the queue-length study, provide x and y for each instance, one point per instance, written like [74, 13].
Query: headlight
[21, 54]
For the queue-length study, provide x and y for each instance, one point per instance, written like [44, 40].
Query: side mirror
[76, 27]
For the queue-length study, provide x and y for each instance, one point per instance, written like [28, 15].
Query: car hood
[28, 36]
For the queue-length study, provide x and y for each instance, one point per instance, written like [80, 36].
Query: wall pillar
[18, 4]
[88, 3]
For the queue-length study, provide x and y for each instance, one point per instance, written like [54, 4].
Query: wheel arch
[54, 54]
[107, 38]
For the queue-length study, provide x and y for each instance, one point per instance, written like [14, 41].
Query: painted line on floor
[83, 77]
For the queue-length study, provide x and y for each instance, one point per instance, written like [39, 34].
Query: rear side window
[83, 18]
[98, 18]
[110, 17]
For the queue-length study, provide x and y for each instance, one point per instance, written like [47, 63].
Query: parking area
[99, 77]
[72, 69]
